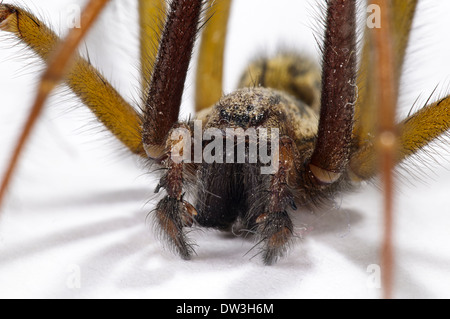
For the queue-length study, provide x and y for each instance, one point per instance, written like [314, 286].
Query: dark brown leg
[173, 213]
[332, 150]
[161, 114]
[169, 74]
[274, 226]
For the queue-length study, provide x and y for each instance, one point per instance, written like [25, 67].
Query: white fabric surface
[76, 213]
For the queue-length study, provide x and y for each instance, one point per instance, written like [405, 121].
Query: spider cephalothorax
[230, 191]
[320, 120]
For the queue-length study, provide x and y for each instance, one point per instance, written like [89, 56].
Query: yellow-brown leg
[383, 144]
[414, 134]
[86, 82]
[416, 131]
[211, 57]
[401, 17]
[152, 14]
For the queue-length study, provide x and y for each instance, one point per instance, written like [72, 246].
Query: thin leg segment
[152, 14]
[82, 78]
[166, 89]
[415, 132]
[332, 149]
[401, 17]
[386, 137]
[161, 112]
[211, 57]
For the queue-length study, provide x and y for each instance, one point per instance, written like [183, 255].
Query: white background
[78, 204]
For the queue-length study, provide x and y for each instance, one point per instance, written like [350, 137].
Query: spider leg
[401, 17]
[414, 134]
[118, 116]
[378, 148]
[332, 150]
[383, 57]
[173, 213]
[417, 130]
[150, 35]
[161, 115]
[172, 216]
[169, 74]
[274, 226]
[392, 147]
[423, 127]
[211, 56]
[386, 137]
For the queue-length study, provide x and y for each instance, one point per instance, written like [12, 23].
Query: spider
[324, 118]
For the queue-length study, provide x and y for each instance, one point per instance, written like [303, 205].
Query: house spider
[314, 164]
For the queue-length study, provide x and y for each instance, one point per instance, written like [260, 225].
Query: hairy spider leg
[417, 130]
[162, 110]
[386, 137]
[379, 146]
[400, 18]
[414, 133]
[20, 23]
[209, 75]
[152, 14]
[332, 149]
[274, 226]
[163, 103]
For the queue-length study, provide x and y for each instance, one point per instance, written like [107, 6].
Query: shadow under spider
[213, 249]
